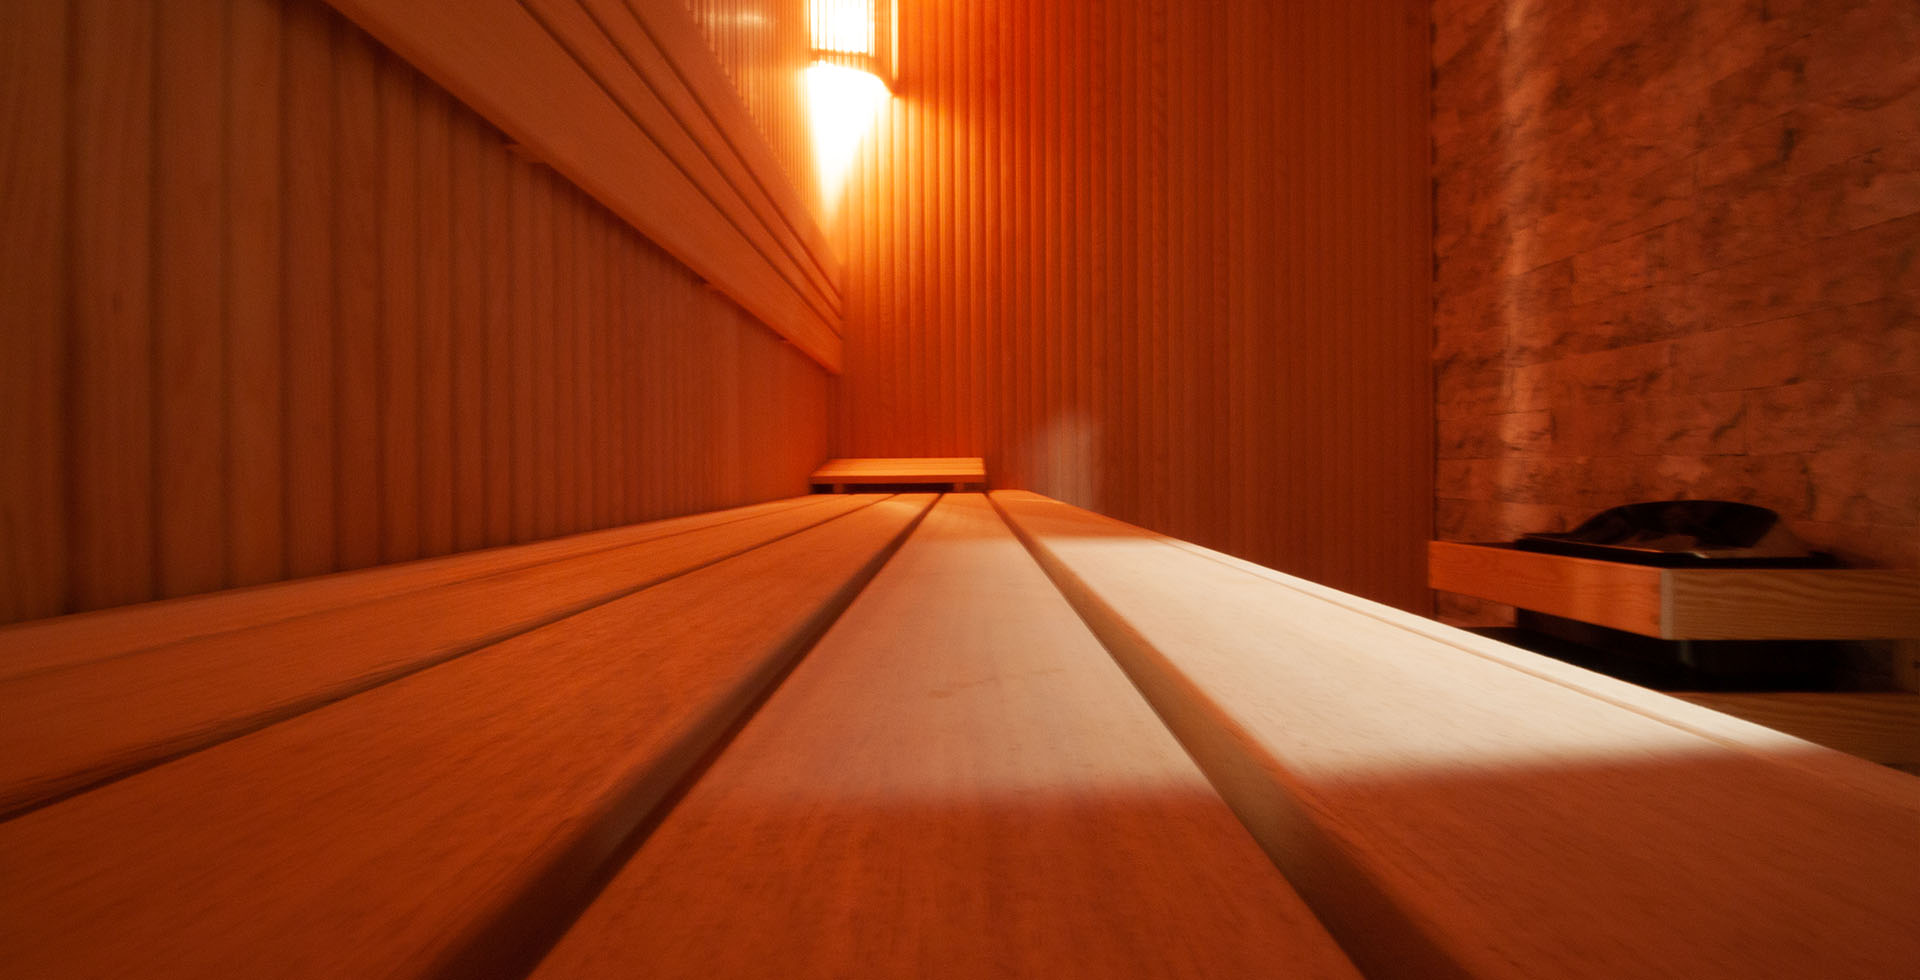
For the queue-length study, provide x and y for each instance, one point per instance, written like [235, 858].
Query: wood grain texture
[109, 268]
[1881, 727]
[1622, 596]
[69, 727]
[1687, 603]
[34, 138]
[954, 469]
[255, 208]
[308, 314]
[1450, 807]
[189, 329]
[956, 782]
[85, 637]
[1837, 604]
[503, 780]
[242, 349]
[591, 89]
[1167, 261]
[1712, 725]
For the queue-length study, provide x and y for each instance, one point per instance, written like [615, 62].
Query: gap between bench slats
[70, 728]
[1449, 814]
[440, 818]
[956, 782]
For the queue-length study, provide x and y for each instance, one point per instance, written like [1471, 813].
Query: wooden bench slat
[1454, 810]
[1716, 726]
[427, 827]
[70, 728]
[956, 782]
[68, 640]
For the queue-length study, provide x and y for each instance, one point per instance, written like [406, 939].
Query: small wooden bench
[580, 758]
[932, 472]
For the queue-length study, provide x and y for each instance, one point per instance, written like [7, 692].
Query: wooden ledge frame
[1686, 603]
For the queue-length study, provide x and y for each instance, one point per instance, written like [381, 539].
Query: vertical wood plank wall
[1167, 261]
[276, 306]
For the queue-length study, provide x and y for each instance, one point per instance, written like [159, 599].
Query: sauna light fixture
[854, 53]
[856, 34]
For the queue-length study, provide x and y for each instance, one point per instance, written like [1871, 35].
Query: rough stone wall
[1677, 254]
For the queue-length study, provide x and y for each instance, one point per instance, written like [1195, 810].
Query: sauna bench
[954, 473]
[898, 735]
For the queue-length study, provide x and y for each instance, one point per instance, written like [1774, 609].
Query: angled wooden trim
[685, 49]
[682, 182]
[613, 46]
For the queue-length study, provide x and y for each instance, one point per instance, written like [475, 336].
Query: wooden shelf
[1686, 603]
[958, 471]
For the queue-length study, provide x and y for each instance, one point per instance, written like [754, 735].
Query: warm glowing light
[843, 25]
[856, 34]
[844, 104]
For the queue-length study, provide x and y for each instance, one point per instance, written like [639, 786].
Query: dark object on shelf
[1689, 665]
[1684, 534]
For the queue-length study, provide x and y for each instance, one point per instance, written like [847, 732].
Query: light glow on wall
[856, 34]
[844, 103]
[846, 26]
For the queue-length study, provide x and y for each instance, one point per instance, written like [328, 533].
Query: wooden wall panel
[276, 306]
[35, 48]
[109, 379]
[256, 374]
[1167, 261]
[307, 310]
[189, 336]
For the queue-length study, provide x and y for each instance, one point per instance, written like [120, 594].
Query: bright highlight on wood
[844, 103]
[855, 34]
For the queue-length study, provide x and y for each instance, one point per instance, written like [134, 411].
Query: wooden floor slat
[1453, 807]
[956, 782]
[69, 728]
[425, 827]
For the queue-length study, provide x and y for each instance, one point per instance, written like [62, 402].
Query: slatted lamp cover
[857, 34]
